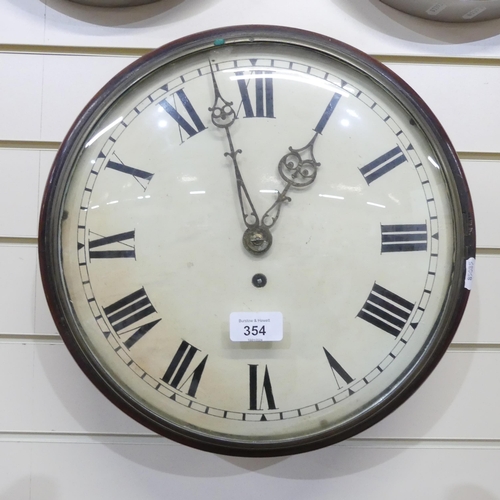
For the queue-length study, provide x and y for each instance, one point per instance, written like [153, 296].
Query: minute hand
[223, 116]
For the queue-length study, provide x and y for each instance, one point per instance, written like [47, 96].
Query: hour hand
[298, 169]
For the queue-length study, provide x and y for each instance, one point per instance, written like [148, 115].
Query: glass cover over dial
[254, 241]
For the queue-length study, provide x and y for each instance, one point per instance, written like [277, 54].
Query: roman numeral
[141, 176]
[128, 312]
[196, 124]
[264, 99]
[117, 241]
[267, 390]
[404, 237]
[327, 113]
[386, 310]
[383, 164]
[337, 369]
[178, 367]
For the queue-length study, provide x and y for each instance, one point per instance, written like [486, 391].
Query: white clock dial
[258, 178]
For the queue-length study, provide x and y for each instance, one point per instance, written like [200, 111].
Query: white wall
[61, 440]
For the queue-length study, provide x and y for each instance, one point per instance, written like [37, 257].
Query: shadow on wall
[23, 488]
[375, 15]
[98, 417]
[130, 17]
[470, 492]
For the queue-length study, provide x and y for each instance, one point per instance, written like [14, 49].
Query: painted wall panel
[81, 471]
[21, 96]
[17, 268]
[470, 95]
[19, 188]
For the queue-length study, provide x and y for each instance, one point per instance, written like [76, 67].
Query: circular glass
[254, 241]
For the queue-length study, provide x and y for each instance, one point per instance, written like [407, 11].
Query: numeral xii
[264, 94]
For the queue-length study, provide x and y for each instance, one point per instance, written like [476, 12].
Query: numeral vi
[266, 390]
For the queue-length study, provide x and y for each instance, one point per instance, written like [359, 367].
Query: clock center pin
[257, 240]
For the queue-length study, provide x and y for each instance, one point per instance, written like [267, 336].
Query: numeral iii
[404, 237]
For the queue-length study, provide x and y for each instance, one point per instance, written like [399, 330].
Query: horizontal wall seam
[19, 240]
[30, 145]
[32, 240]
[64, 50]
[33, 338]
[143, 439]
[54, 146]
[30, 338]
[422, 443]
[67, 50]
[478, 155]
[437, 60]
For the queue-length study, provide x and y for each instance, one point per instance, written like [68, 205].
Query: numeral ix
[120, 245]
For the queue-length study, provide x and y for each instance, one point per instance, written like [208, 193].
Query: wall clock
[254, 241]
[449, 10]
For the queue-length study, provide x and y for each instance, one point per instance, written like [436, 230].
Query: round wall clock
[449, 10]
[256, 240]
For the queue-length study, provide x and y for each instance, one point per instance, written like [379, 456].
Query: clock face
[253, 242]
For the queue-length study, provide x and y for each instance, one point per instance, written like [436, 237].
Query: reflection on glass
[332, 196]
[103, 131]
[433, 162]
[375, 204]
[254, 72]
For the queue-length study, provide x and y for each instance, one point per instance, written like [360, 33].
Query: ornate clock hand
[257, 239]
[223, 116]
[298, 169]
